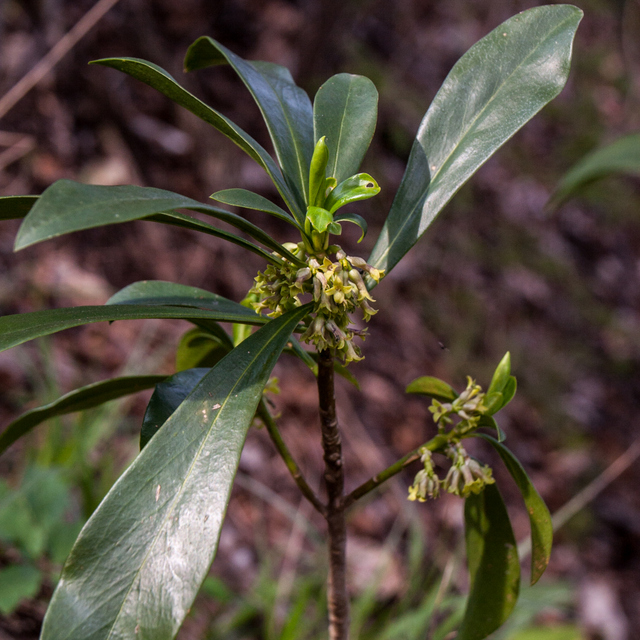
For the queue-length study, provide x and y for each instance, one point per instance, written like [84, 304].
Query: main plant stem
[334, 479]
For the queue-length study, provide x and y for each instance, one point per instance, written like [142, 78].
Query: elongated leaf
[621, 156]
[13, 207]
[494, 89]
[285, 107]
[141, 558]
[494, 569]
[433, 388]
[345, 110]
[168, 396]
[68, 206]
[93, 395]
[162, 81]
[19, 328]
[249, 200]
[539, 516]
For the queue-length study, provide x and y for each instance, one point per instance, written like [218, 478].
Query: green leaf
[494, 570]
[355, 219]
[432, 387]
[490, 423]
[141, 558]
[492, 91]
[159, 79]
[318, 173]
[168, 396]
[17, 583]
[285, 107]
[539, 516]
[345, 110]
[68, 206]
[19, 328]
[359, 187]
[249, 200]
[93, 395]
[509, 391]
[621, 156]
[199, 348]
[319, 218]
[160, 292]
[501, 375]
[12, 207]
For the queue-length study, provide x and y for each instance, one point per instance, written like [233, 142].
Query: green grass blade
[21, 327]
[539, 516]
[345, 110]
[494, 569]
[492, 91]
[285, 107]
[621, 156]
[162, 81]
[93, 395]
[141, 558]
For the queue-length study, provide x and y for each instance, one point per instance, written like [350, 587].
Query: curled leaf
[359, 187]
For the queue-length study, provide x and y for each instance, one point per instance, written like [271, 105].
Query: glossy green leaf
[167, 397]
[162, 81]
[501, 375]
[13, 207]
[354, 218]
[285, 107]
[494, 569]
[432, 387]
[319, 218]
[141, 558]
[199, 348]
[345, 110]
[621, 156]
[19, 328]
[492, 91]
[249, 200]
[359, 187]
[68, 206]
[539, 516]
[93, 395]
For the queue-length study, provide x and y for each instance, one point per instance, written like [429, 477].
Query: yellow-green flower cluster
[465, 476]
[468, 407]
[426, 483]
[336, 287]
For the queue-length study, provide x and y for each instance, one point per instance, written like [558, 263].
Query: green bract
[139, 561]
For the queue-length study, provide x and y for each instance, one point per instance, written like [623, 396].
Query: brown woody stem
[334, 479]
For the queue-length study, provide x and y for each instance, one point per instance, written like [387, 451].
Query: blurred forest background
[496, 272]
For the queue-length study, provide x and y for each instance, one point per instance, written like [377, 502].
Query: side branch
[433, 445]
[272, 429]
[334, 478]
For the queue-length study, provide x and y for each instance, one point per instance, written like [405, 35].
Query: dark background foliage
[496, 272]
